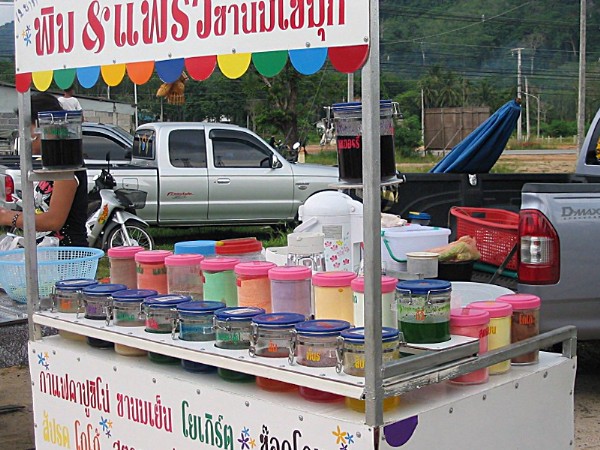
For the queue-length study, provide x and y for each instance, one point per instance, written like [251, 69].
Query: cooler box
[398, 241]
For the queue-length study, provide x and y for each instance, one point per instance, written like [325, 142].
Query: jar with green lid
[424, 310]
[233, 326]
[272, 334]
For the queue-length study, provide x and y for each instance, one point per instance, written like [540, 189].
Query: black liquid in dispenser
[61, 139]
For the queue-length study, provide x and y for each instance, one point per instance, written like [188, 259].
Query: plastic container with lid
[499, 329]
[61, 133]
[525, 322]
[272, 334]
[219, 280]
[161, 311]
[67, 293]
[389, 310]
[291, 289]
[151, 270]
[424, 310]
[123, 266]
[316, 342]
[420, 218]
[253, 285]
[233, 326]
[127, 312]
[184, 275]
[98, 305]
[471, 322]
[244, 249]
[333, 295]
[204, 248]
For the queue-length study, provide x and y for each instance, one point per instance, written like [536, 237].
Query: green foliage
[407, 135]
[563, 128]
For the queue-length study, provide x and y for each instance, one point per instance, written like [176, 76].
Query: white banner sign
[54, 35]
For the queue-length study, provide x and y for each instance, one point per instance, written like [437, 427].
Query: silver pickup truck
[198, 173]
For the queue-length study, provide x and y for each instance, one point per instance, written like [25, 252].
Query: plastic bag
[464, 249]
[11, 241]
[390, 220]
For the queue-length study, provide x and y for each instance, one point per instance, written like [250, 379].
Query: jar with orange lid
[184, 275]
[122, 265]
[253, 285]
[219, 283]
[244, 249]
[525, 323]
[151, 270]
[333, 295]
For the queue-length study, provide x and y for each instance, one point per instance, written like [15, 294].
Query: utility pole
[527, 110]
[581, 100]
[519, 95]
[350, 87]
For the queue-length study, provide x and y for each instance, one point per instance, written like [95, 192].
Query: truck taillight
[540, 249]
[9, 188]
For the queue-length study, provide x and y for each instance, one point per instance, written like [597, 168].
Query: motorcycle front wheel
[137, 234]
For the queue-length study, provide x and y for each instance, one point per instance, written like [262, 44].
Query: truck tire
[135, 231]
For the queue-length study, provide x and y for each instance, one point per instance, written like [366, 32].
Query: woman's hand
[7, 217]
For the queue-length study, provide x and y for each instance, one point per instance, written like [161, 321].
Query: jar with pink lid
[389, 310]
[474, 323]
[184, 275]
[499, 329]
[122, 265]
[253, 285]
[218, 279]
[151, 270]
[525, 323]
[333, 295]
[291, 289]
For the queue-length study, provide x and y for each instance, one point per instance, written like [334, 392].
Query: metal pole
[371, 166]
[527, 110]
[538, 117]
[350, 87]
[32, 288]
[581, 99]
[135, 100]
[519, 94]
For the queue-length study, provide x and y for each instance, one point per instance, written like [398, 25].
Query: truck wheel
[136, 233]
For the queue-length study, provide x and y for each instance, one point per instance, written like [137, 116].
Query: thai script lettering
[92, 394]
[271, 442]
[146, 412]
[86, 437]
[54, 432]
[118, 445]
[214, 433]
[55, 32]
[526, 319]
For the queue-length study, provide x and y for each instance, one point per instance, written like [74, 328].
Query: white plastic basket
[54, 264]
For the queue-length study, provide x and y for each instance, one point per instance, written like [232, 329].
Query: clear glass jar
[525, 323]
[333, 295]
[253, 285]
[67, 294]
[233, 326]
[161, 312]
[291, 289]
[474, 323]
[351, 349]
[315, 344]
[424, 310]
[122, 265]
[272, 334]
[219, 280]
[98, 301]
[127, 307]
[151, 270]
[196, 320]
[184, 275]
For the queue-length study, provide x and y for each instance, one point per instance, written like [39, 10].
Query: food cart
[89, 398]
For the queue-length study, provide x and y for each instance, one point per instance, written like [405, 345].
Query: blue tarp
[480, 150]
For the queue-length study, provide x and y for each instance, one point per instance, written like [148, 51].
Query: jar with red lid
[474, 323]
[219, 284]
[123, 266]
[184, 275]
[525, 323]
[389, 310]
[333, 295]
[151, 270]
[499, 329]
[253, 285]
[291, 289]
[244, 249]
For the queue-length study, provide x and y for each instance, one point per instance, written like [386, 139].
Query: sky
[6, 12]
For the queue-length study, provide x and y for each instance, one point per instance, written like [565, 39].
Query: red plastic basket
[495, 231]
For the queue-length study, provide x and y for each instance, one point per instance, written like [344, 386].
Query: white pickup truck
[198, 173]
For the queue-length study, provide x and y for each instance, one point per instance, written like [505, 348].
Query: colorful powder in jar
[219, 280]
[389, 310]
[317, 341]
[122, 264]
[291, 289]
[272, 334]
[184, 275]
[525, 323]
[67, 294]
[233, 326]
[474, 323]
[253, 285]
[333, 295]
[151, 270]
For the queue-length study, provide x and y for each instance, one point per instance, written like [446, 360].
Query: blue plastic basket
[54, 264]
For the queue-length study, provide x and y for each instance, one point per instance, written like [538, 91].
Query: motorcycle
[112, 219]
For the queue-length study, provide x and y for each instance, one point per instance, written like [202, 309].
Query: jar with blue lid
[315, 343]
[233, 326]
[161, 311]
[424, 310]
[272, 334]
[67, 294]
[351, 349]
[196, 320]
[127, 307]
[98, 305]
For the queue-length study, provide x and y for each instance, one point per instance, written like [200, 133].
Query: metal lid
[358, 334]
[423, 286]
[133, 295]
[166, 300]
[200, 307]
[322, 327]
[278, 320]
[104, 289]
[75, 284]
[238, 313]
